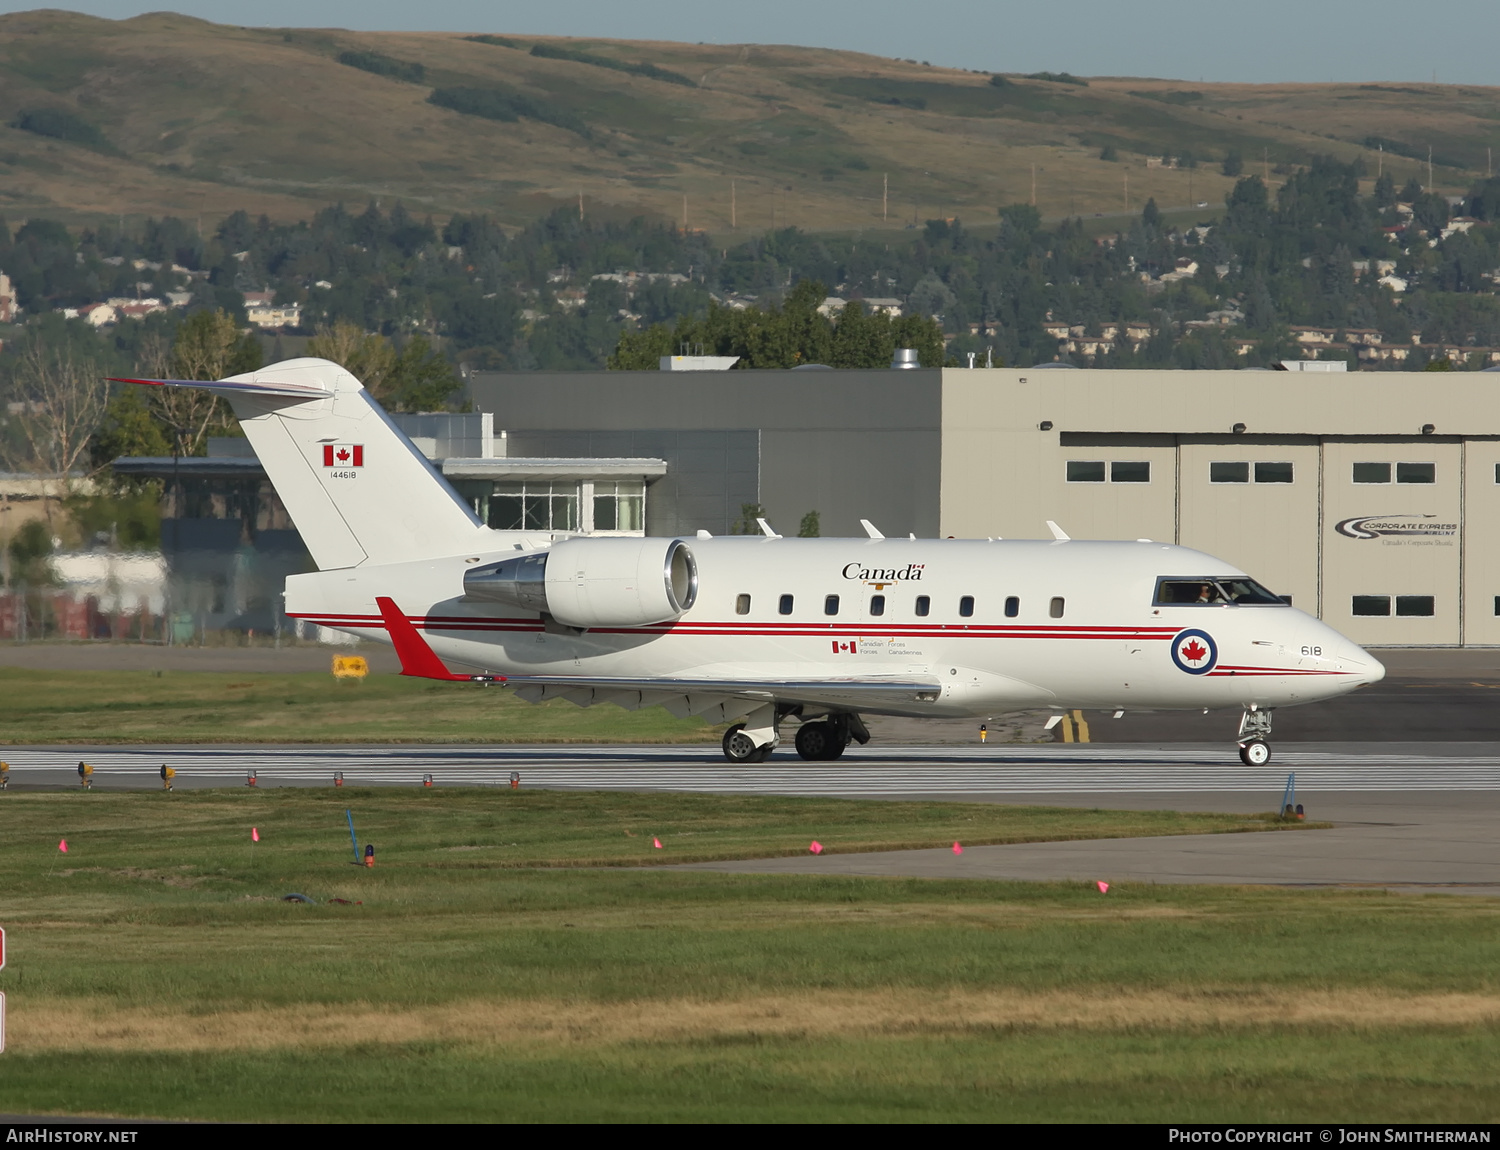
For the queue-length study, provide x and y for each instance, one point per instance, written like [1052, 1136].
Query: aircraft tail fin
[354, 484]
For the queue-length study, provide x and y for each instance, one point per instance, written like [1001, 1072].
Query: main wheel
[1255, 753]
[820, 742]
[740, 747]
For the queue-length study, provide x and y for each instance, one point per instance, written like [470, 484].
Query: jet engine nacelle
[612, 582]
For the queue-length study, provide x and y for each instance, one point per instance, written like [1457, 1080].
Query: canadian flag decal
[343, 455]
[851, 648]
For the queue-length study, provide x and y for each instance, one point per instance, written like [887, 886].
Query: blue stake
[1289, 796]
[354, 842]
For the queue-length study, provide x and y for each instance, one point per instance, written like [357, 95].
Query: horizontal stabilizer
[238, 387]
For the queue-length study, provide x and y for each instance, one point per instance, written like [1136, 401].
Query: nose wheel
[1255, 753]
[1255, 730]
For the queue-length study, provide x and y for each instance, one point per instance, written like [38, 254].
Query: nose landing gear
[1255, 729]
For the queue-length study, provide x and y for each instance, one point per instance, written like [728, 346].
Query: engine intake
[627, 582]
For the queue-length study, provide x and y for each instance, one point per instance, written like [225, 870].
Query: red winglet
[417, 657]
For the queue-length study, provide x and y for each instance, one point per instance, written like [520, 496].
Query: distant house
[268, 317]
[1395, 283]
[259, 299]
[8, 307]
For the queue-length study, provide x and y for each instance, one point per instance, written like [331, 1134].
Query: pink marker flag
[958, 850]
[1103, 887]
[816, 847]
[656, 843]
[254, 835]
[62, 845]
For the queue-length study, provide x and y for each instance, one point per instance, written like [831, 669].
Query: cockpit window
[1211, 591]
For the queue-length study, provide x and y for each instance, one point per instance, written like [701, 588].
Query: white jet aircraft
[762, 629]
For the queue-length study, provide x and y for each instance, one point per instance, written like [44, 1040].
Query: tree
[64, 397]
[367, 356]
[421, 379]
[809, 528]
[1151, 214]
[1412, 191]
[746, 524]
[1384, 194]
[128, 428]
[1234, 164]
[208, 346]
[31, 555]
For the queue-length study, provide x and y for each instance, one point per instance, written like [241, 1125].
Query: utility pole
[1380, 163]
[885, 197]
[732, 225]
[1429, 167]
[1265, 165]
[580, 205]
[1127, 191]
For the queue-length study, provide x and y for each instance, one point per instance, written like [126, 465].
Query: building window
[785, 606]
[877, 605]
[742, 605]
[534, 507]
[966, 606]
[924, 604]
[1055, 609]
[1415, 605]
[619, 506]
[1240, 472]
[1497, 604]
[1013, 607]
[1497, 480]
[830, 604]
[1096, 471]
[1405, 473]
[1372, 604]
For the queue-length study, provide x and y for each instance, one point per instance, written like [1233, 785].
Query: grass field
[155, 971]
[44, 707]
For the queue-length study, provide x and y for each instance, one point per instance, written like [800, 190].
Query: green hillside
[165, 114]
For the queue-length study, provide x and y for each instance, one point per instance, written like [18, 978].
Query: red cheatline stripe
[825, 630]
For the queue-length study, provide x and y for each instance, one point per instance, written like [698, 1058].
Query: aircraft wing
[714, 698]
[698, 696]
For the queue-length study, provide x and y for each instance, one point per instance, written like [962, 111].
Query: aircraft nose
[1365, 665]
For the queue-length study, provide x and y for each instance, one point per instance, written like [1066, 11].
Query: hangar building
[1370, 499]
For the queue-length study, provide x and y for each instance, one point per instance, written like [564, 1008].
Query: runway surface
[1413, 818]
[990, 771]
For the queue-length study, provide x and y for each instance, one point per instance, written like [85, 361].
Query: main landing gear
[1255, 729]
[820, 740]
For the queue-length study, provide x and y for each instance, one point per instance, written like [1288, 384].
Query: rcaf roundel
[1194, 652]
[343, 455]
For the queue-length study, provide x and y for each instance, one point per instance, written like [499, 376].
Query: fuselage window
[830, 605]
[786, 605]
[1056, 607]
[966, 606]
[742, 605]
[924, 604]
[877, 604]
[1013, 607]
